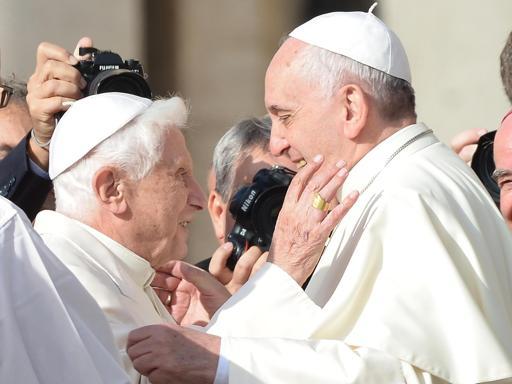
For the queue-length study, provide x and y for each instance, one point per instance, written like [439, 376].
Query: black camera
[255, 209]
[107, 72]
[483, 165]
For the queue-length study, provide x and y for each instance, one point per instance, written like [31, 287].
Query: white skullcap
[87, 123]
[359, 36]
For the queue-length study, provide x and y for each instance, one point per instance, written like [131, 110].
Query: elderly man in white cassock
[52, 330]
[414, 284]
[125, 193]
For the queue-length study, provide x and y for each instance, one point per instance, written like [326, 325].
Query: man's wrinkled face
[164, 202]
[304, 121]
[503, 161]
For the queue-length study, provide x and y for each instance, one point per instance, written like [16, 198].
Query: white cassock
[116, 277]
[414, 286]
[51, 330]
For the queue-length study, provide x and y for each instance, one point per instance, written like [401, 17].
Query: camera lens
[120, 80]
[483, 165]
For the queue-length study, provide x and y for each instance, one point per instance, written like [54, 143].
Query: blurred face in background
[503, 161]
[15, 123]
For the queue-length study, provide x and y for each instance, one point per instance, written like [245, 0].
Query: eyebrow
[5, 147]
[274, 108]
[498, 173]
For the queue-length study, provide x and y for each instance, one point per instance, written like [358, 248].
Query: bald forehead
[287, 53]
[503, 137]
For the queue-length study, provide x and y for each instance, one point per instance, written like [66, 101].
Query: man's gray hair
[234, 147]
[135, 149]
[393, 97]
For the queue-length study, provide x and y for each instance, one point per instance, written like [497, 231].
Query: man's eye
[505, 183]
[283, 117]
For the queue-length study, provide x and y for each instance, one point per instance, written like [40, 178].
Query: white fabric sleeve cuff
[222, 375]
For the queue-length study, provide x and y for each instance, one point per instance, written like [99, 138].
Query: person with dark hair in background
[412, 286]
[24, 171]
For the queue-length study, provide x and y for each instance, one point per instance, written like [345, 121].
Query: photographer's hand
[51, 87]
[302, 230]
[464, 143]
[248, 263]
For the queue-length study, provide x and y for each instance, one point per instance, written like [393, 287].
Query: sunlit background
[215, 52]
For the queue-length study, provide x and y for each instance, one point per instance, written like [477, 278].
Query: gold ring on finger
[320, 203]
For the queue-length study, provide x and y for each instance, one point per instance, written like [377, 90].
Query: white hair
[393, 97]
[134, 149]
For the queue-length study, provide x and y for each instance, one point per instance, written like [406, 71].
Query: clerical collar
[374, 162]
[139, 268]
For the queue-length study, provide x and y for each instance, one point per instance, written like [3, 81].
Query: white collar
[109, 257]
[361, 174]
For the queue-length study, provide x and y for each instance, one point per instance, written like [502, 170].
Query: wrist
[40, 142]
[39, 155]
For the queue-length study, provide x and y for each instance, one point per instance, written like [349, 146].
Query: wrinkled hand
[464, 143]
[249, 263]
[195, 294]
[302, 230]
[167, 353]
[53, 83]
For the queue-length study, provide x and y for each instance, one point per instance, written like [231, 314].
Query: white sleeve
[306, 361]
[270, 304]
[222, 375]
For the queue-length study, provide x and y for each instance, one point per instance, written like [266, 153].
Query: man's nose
[196, 197]
[278, 144]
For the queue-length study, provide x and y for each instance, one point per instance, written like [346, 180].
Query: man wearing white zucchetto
[414, 284]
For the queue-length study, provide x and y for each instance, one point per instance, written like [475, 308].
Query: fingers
[84, 42]
[218, 262]
[163, 285]
[245, 265]
[259, 263]
[145, 364]
[140, 334]
[163, 280]
[334, 217]
[244, 268]
[301, 179]
[202, 280]
[329, 182]
[47, 51]
[467, 153]
[466, 138]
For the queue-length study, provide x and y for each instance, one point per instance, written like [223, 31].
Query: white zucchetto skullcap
[360, 36]
[87, 123]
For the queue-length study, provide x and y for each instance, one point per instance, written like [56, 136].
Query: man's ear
[354, 110]
[218, 211]
[110, 189]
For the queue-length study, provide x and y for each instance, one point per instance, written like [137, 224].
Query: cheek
[506, 204]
